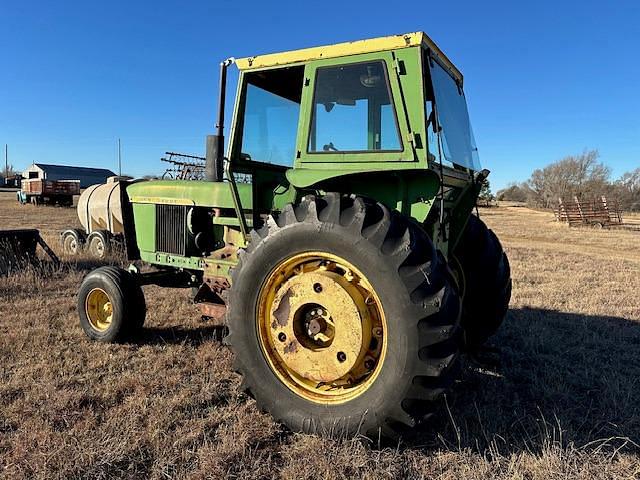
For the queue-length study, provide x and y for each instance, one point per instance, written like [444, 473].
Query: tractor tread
[433, 314]
[488, 282]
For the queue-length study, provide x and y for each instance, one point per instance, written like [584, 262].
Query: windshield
[458, 144]
[352, 110]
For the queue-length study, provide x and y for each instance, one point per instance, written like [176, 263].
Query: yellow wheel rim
[321, 327]
[98, 309]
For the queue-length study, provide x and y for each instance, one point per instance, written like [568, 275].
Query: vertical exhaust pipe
[214, 167]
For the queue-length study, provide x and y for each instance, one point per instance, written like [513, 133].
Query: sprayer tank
[100, 208]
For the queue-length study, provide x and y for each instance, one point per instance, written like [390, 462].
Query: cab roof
[379, 44]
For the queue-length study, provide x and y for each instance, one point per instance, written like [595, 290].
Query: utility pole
[6, 161]
[119, 159]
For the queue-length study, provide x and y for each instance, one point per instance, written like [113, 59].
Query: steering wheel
[329, 147]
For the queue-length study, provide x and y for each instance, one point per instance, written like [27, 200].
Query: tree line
[583, 176]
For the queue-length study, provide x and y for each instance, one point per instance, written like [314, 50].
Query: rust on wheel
[321, 327]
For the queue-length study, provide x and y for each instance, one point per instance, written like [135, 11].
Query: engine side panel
[187, 224]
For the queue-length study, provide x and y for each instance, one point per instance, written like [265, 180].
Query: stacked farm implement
[599, 213]
[183, 167]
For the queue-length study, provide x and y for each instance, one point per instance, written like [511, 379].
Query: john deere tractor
[335, 239]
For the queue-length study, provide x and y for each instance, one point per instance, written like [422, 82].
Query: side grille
[171, 233]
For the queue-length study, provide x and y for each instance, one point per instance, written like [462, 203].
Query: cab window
[353, 110]
[272, 108]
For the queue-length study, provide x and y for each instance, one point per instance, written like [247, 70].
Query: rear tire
[416, 292]
[111, 305]
[487, 282]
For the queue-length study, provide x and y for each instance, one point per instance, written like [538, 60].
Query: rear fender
[411, 192]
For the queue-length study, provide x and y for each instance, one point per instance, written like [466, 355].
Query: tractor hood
[188, 192]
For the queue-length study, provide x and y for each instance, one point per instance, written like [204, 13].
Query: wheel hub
[315, 347]
[71, 244]
[99, 309]
[321, 327]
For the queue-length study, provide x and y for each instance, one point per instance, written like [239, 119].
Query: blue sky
[543, 79]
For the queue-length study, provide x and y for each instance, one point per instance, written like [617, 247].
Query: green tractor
[335, 239]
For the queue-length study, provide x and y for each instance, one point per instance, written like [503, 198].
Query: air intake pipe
[214, 166]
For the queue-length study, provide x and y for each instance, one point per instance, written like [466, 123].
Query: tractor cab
[375, 114]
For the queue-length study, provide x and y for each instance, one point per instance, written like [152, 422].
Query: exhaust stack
[214, 166]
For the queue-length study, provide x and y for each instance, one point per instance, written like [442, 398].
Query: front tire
[111, 305]
[335, 253]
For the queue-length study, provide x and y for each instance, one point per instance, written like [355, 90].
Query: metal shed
[87, 176]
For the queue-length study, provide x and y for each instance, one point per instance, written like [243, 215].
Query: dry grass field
[561, 398]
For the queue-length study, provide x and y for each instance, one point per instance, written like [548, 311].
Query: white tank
[99, 207]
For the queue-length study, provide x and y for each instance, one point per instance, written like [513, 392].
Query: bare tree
[515, 192]
[576, 175]
[8, 171]
[627, 190]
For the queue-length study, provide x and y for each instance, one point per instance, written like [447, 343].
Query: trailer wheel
[99, 244]
[72, 242]
[111, 305]
[484, 266]
[344, 319]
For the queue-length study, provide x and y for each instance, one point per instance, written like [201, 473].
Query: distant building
[87, 176]
[13, 181]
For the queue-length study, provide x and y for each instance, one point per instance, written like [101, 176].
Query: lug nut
[282, 337]
[317, 287]
[341, 356]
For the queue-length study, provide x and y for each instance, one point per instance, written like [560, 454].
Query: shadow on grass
[562, 379]
[179, 335]
[85, 263]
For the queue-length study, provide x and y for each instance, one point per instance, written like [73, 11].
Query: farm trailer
[100, 214]
[48, 192]
[335, 239]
